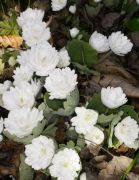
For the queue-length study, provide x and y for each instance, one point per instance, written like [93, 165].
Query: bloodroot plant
[45, 102]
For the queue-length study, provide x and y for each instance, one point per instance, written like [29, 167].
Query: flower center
[43, 151]
[88, 116]
[65, 164]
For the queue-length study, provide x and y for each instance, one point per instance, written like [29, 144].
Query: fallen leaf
[109, 19]
[115, 168]
[132, 176]
[10, 158]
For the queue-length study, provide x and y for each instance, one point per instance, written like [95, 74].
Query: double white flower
[99, 42]
[19, 96]
[84, 124]
[21, 122]
[113, 97]
[127, 132]
[117, 42]
[43, 58]
[85, 119]
[65, 165]
[40, 152]
[57, 5]
[30, 15]
[34, 31]
[60, 83]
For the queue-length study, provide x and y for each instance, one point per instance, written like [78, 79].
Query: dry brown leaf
[115, 168]
[11, 40]
[115, 81]
[10, 158]
[132, 176]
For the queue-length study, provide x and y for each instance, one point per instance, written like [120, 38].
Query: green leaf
[105, 120]
[96, 104]
[25, 140]
[83, 69]
[129, 111]
[8, 54]
[133, 24]
[115, 121]
[26, 172]
[93, 11]
[80, 141]
[54, 104]
[71, 133]
[9, 26]
[81, 52]
[38, 130]
[71, 144]
[50, 130]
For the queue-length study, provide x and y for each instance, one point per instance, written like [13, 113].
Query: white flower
[64, 59]
[137, 1]
[5, 86]
[21, 122]
[40, 152]
[22, 73]
[60, 83]
[99, 42]
[119, 43]
[72, 9]
[65, 165]
[18, 97]
[34, 33]
[85, 119]
[43, 59]
[74, 32]
[97, 1]
[94, 135]
[127, 131]
[58, 4]
[113, 97]
[1, 128]
[29, 16]
[22, 59]
[83, 176]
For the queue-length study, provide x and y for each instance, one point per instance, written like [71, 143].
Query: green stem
[106, 111]
[28, 3]
[130, 167]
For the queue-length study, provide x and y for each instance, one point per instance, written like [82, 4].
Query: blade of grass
[130, 167]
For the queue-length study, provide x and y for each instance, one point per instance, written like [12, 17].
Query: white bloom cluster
[117, 42]
[1, 128]
[34, 31]
[21, 122]
[113, 97]
[84, 124]
[65, 165]
[40, 152]
[57, 5]
[137, 1]
[60, 83]
[127, 132]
